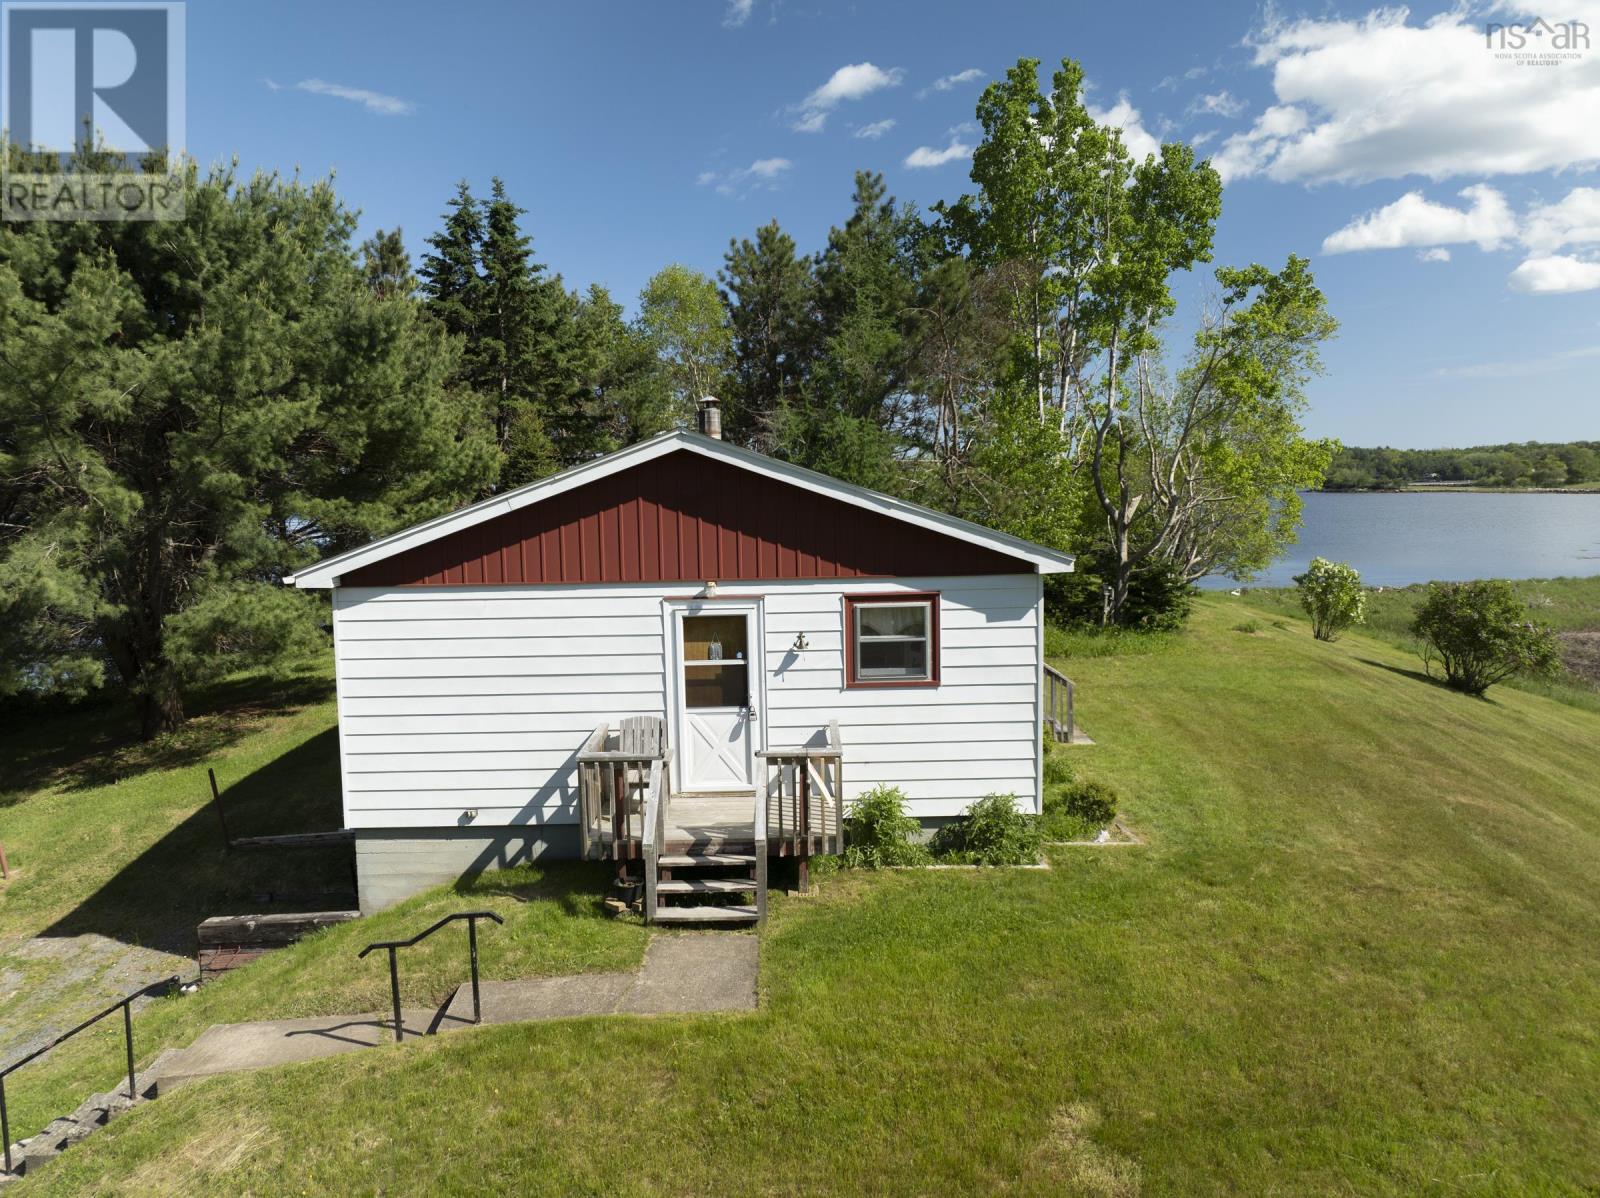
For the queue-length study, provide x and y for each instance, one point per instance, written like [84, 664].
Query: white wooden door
[718, 680]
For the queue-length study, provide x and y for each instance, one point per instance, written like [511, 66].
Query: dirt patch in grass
[1580, 653]
[48, 983]
[1068, 1158]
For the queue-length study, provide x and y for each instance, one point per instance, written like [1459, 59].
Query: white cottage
[683, 657]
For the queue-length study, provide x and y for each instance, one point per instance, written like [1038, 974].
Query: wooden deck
[710, 821]
[697, 850]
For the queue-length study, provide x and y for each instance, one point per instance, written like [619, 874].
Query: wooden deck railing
[654, 827]
[804, 792]
[614, 774]
[1058, 704]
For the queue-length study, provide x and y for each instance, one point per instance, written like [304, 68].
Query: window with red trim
[892, 640]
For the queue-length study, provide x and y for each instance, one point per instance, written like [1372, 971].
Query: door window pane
[715, 666]
[715, 638]
[722, 685]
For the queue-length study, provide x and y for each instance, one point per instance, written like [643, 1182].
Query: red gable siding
[683, 518]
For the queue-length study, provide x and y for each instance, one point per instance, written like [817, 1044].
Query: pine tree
[767, 287]
[388, 265]
[851, 425]
[190, 410]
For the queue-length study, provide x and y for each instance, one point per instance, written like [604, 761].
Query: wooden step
[710, 845]
[705, 886]
[690, 860]
[706, 915]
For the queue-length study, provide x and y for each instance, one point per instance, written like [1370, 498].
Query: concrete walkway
[695, 972]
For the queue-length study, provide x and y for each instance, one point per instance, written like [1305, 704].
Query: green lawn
[1357, 956]
[1565, 604]
[116, 840]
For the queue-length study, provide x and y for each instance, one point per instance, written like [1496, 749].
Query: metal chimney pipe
[710, 417]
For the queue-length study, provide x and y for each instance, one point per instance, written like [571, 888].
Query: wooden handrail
[654, 833]
[607, 816]
[760, 829]
[810, 780]
[1057, 687]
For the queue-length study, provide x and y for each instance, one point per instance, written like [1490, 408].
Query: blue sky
[638, 134]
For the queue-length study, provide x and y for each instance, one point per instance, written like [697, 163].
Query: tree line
[1529, 464]
[190, 411]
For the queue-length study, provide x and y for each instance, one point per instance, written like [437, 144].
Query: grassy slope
[111, 838]
[1358, 956]
[1565, 604]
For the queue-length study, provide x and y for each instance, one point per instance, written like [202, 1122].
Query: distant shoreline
[1452, 489]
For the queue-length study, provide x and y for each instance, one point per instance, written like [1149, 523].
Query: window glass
[892, 641]
[882, 619]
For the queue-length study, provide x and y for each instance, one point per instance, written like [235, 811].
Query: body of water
[1396, 539]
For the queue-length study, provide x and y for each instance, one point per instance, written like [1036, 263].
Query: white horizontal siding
[458, 700]
[944, 746]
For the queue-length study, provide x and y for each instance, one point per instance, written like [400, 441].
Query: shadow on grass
[186, 876]
[1421, 676]
[97, 744]
[577, 887]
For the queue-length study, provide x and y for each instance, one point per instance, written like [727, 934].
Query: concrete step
[705, 886]
[706, 915]
[691, 860]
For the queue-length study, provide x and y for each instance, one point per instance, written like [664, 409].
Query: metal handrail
[125, 1005]
[472, 918]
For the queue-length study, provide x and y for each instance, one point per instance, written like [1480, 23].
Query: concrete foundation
[393, 864]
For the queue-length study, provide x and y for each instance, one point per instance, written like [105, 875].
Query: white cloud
[1223, 104]
[1200, 139]
[1555, 275]
[1412, 220]
[1489, 223]
[926, 157]
[847, 83]
[946, 82]
[761, 175]
[1246, 153]
[875, 130]
[738, 13]
[372, 101]
[1123, 115]
[1380, 97]
[1189, 76]
[1574, 220]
